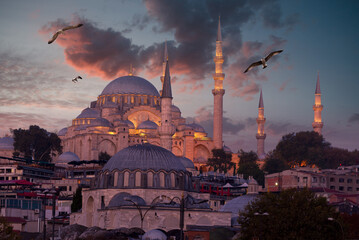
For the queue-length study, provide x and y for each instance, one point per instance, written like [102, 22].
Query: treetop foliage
[221, 160]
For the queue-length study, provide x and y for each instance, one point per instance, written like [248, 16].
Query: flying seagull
[263, 61]
[61, 31]
[75, 80]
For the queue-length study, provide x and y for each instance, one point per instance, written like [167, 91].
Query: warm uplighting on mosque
[112, 133]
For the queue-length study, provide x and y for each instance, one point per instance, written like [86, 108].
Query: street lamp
[341, 227]
[143, 215]
[182, 209]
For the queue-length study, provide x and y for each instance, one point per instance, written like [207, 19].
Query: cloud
[107, 53]
[15, 120]
[24, 82]
[354, 118]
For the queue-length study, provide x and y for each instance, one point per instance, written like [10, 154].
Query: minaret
[165, 58]
[167, 129]
[260, 133]
[317, 108]
[218, 92]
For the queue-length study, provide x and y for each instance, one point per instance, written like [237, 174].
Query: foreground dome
[144, 157]
[130, 85]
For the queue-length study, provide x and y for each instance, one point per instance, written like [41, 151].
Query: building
[145, 185]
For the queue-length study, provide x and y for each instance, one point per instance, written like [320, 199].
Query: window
[341, 188]
[314, 179]
[357, 181]
[350, 189]
[1, 170]
[349, 180]
[8, 170]
[332, 187]
[332, 179]
[341, 179]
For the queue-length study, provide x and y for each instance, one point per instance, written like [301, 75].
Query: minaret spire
[261, 136]
[317, 108]
[164, 63]
[218, 92]
[166, 129]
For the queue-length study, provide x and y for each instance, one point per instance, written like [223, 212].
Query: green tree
[6, 230]
[77, 200]
[36, 143]
[248, 167]
[103, 157]
[292, 214]
[221, 160]
[302, 148]
[274, 164]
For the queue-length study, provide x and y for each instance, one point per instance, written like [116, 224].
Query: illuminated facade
[260, 132]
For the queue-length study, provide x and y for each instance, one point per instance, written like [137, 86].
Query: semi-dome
[187, 163]
[100, 122]
[196, 127]
[89, 113]
[130, 85]
[130, 124]
[6, 143]
[147, 125]
[67, 157]
[62, 132]
[144, 157]
[175, 109]
[125, 199]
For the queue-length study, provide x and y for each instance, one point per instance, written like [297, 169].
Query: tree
[292, 214]
[248, 167]
[221, 160]
[274, 164]
[302, 148]
[36, 143]
[6, 230]
[103, 157]
[77, 200]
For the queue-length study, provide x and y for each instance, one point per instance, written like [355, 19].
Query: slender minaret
[218, 92]
[167, 129]
[165, 58]
[260, 133]
[317, 108]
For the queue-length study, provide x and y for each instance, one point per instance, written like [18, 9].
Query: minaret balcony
[317, 107]
[317, 124]
[218, 76]
[261, 136]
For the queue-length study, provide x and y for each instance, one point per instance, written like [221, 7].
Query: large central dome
[130, 85]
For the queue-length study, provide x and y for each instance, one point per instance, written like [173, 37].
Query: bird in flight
[263, 61]
[61, 31]
[75, 80]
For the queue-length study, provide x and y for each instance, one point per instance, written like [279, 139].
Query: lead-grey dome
[66, 157]
[130, 85]
[196, 127]
[147, 125]
[62, 132]
[89, 113]
[187, 163]
[144, 157]
[120, 199]
[103, 122]
[154, 234]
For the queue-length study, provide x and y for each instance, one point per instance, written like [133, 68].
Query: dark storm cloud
[354, 118]
[23, 82]
[108, 53]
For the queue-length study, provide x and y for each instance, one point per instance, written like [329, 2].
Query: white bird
[263, 61]
[61, 31]
[75, 80]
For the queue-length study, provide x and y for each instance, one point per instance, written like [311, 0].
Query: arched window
[162, 179]
[138, 179]
[150, 179]
[115, 179]
[173, 180]
[126, 179]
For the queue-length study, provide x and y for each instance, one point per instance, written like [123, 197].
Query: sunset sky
[317, 36]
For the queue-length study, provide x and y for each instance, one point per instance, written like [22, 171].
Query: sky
[318, 38]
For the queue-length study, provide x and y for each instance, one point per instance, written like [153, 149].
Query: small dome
[89, 113]
[67, 157]
[6, 143]
[175, 109]
[118, 122]
[147, 125]
[154, 234]
[238, 204]
[187, 163]
[130, 85]
[183, 127]
[130, 124]
[196, 127]
[121, 199]
[100, 122]
[62, 132]
[144, 157]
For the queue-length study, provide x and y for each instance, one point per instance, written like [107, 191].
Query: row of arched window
[129, 99]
